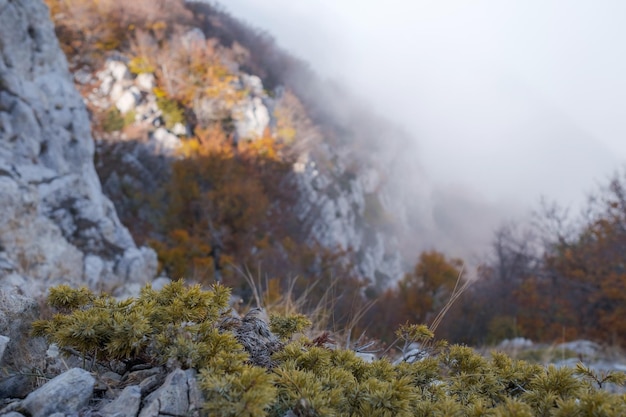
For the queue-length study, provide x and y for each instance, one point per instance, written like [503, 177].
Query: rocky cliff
[56, 226]
[340, 198]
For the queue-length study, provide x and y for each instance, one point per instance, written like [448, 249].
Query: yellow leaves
[219, 83]
[157, 26]
[189, 147]
[291, 119]
[414, 333]
[188, 71]
[159, 92]
[141, 65]
[434, 271]
[210, 142]
[266, 148]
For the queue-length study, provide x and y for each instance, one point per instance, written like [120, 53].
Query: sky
[508, 100]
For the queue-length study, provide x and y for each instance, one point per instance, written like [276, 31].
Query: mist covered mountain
[214, 156]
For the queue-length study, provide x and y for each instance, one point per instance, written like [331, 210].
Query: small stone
[251, 118]
[367, 357]
[136, 377]
[82, 76]
[196, 399]
[106, 85]
[179, 129]
[111, 377]
[160, 282]
[150, 384]
[164, 142]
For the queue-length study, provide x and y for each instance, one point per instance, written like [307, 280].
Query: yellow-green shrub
[181, 323]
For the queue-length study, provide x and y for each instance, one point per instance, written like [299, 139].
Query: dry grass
[459, 288]
[321, 314]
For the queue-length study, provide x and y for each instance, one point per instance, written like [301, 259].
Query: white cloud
[516, 99]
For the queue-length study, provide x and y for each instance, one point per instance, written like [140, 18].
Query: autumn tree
[592, 266]
[419, 296]
[558, 278]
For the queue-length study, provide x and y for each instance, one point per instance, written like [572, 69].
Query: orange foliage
[87, 29]
[237, 200]
[188, 69]
[419, 296]
[575, 288]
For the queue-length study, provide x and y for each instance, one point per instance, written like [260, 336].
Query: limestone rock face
[252, 115]
[343, 210]
[56, 226]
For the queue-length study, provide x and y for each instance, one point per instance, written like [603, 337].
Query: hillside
[220, 174]
[236, 162]
[225, 154]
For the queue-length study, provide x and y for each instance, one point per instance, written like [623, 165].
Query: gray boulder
[178, 396]
[126, 405]
[68, 393]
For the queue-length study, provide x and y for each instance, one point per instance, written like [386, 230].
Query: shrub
[183, 324]
[171, 111]
[140, 65]
[177, 323]
[113, 120]
[286, 326]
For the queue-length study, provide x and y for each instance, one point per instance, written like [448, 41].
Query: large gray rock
[178, 396]
[56, 226]
[344, 210]
[126, 405]
[68, 393]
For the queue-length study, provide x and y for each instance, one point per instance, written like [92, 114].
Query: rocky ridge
[56, 225]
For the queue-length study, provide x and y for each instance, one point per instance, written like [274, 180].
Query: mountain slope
[221, 149]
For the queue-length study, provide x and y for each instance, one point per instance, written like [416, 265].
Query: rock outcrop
[56, 226]
[344, 210]
[341, 200]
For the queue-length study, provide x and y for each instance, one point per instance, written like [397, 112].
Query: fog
[508, 101]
